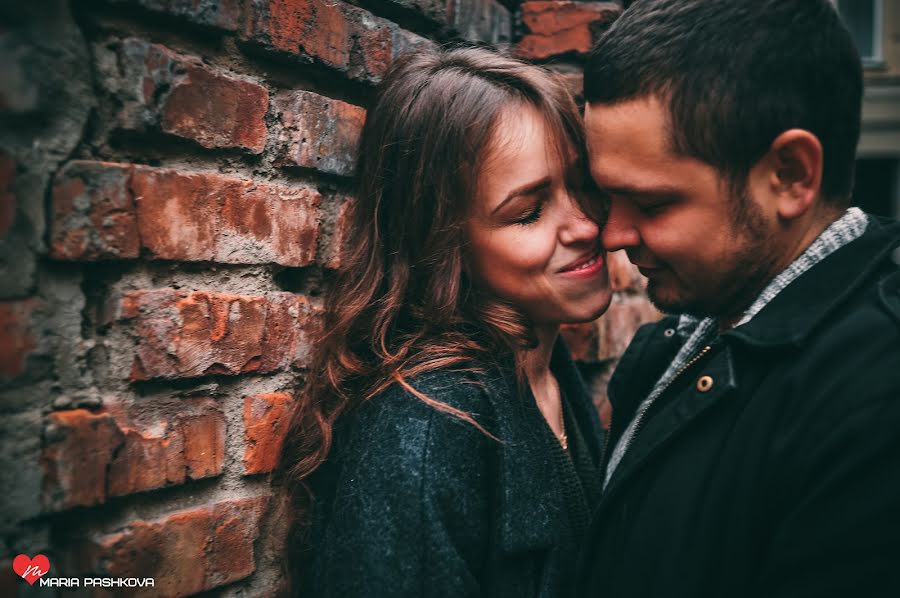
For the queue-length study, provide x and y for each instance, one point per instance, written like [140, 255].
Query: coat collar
[799, 309]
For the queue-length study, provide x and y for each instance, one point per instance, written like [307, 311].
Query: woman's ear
[795, 179]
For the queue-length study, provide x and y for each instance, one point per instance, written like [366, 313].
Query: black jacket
[783, 477]
[414, 502]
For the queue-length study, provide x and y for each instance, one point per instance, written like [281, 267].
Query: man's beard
[738, 286]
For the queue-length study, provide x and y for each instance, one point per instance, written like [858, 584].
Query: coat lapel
[530, 498]
[531, 513]
[676, 418]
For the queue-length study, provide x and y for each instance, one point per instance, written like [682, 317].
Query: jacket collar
[798, 310]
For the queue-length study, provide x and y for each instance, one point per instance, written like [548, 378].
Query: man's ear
[796, 160]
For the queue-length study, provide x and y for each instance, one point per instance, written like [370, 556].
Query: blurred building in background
[875, 25]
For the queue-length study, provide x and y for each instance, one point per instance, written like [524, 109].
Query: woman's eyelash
[532, 216]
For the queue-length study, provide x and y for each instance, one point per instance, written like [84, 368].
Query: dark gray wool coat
[415, 502]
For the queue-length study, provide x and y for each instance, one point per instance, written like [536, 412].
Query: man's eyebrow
[638, 191]
[526, 189]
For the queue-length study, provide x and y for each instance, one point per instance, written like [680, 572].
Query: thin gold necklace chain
[563, 438]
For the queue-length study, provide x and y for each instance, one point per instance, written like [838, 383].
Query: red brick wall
[172, 179]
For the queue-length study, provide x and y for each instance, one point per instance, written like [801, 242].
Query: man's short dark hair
[735, 75]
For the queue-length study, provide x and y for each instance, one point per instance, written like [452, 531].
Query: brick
[293, 324]
[560, 27]
[93, 213]
[183, 334]
[262, 223]
[220, 14]
[89, 457]
[337, 234]
[317, 132]
[17, 339]
[607, 337]
[186, 552]
[105, 211]
[620, 322]
[266, 420]
[329, 32]
[177, 213]
[623, 275]
[7, 193]
[176, 94]
[404, 41]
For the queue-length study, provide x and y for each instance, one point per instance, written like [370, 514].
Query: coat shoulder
[402, 432]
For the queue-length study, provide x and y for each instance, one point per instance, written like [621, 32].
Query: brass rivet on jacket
[704, 383]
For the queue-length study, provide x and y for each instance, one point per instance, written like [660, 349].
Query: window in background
[864, 19]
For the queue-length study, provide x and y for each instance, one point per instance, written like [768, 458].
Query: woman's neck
[537, 361]
[543, 384]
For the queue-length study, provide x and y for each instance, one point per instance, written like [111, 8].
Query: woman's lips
[585, 267]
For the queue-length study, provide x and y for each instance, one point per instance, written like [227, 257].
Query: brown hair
[402, 303]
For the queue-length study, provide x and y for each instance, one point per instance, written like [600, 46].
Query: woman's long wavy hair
[402, 302]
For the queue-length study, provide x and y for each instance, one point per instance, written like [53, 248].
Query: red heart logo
[31, 569]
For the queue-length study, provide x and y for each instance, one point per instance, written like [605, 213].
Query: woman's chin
[590, 311]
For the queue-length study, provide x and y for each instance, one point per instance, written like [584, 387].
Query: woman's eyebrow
[525, 189]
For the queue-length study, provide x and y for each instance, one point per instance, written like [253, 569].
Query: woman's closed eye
[532, 215]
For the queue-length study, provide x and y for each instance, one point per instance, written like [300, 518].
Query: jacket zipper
[641, 416]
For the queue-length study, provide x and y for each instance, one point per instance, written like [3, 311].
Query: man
[754, 448]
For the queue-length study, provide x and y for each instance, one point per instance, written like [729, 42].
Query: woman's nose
[578, 227]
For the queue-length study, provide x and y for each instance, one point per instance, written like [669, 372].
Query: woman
[444, 436]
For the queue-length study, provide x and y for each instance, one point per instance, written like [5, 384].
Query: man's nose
[619, 231]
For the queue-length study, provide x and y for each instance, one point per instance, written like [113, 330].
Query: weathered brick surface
[623, 275]
[338, 234]
[185, 552]
[265, 425]
[93, 213]
[203, 132]
[160, 89]
[106, 211]
[558, 27]
[607, 337]
[330, 32]
[621, 321]
[598, 384]
[221, 14]
[183, 334]
[17, 337]
[317, 132]
[91, 456]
